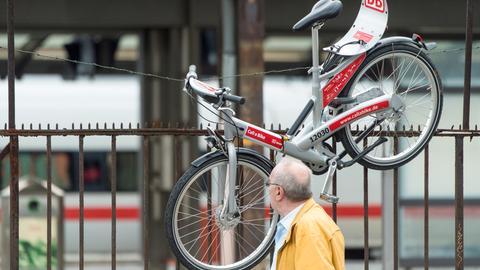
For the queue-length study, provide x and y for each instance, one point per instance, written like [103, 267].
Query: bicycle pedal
[329, 198]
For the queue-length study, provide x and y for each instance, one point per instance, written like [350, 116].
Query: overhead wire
[168, 78]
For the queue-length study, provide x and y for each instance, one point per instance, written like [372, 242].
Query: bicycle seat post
[316, 87]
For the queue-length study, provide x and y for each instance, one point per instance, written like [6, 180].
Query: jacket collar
[307, 206]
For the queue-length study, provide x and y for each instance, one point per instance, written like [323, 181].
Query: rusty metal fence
[459, 135]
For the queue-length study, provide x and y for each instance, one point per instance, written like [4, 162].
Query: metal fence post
[14, 167]
[459, 244]
[468, 65]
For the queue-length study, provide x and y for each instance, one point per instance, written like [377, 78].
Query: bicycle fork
[230, 207]
[229, 213]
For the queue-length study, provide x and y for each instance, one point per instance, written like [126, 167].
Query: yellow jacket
[313, 241]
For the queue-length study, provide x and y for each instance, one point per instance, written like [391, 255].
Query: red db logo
[377, 5]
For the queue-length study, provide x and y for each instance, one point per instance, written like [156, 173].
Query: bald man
[306, 236]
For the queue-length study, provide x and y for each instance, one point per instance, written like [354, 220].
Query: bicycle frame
[307, 145]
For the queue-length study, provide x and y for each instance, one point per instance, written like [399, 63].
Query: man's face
[273, 192]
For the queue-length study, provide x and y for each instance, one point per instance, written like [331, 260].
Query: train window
[65, 170]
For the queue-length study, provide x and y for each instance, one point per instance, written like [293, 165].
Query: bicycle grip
[234, 99]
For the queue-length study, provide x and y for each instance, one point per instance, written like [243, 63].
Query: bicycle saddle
[321, 11]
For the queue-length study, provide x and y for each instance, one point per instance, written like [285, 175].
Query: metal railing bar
[366, 245]
[11, 62]
[14, 203]
[81, 188]
[468, 64]
[49, 203]
[426, 208]
[199, 132]
[395, 210]
[459, 203]
[113, 182]
[146, 187]
[14, 166]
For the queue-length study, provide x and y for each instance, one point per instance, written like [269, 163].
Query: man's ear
[280, 193]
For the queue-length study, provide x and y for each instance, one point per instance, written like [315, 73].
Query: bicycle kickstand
[324, 195]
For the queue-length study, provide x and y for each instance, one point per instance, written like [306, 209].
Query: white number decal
[377, 5]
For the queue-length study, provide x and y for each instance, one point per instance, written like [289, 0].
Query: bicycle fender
[202, 159]
[398, 40]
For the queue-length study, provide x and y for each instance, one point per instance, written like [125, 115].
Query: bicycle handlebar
[208, 92]
[233, 98]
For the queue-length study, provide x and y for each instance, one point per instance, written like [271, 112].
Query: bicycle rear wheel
[408, 73]
[199, 239]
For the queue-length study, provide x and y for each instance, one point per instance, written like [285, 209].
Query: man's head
[289, 185]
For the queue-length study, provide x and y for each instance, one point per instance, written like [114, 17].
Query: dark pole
[251, 31]
[426, 223]
[468, 66]
[459, 203]
[13, 139]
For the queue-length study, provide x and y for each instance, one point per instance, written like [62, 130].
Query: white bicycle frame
[307, 144]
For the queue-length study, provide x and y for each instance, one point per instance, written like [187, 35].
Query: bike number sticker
[365, 37]
[265, 137]
[377, 5]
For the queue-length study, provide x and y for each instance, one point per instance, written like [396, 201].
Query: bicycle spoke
[254, 219]
[244, 240]
[418, 87]
[197, 238]
[206, 239]
[252, 232]
[241, 247]
[253, 224]
[255, 197]
[208, 248]
[216, 249]
[245, 183]
[190, 216]
[251, 191]
[411, 81]
[197, 230]
[420, 99]
[194, 209]
[421, 105]
[251, 203]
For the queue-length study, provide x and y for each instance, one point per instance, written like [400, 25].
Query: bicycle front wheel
[404, 71]
[199, 238]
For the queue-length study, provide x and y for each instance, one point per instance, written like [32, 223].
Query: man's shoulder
[316, 219]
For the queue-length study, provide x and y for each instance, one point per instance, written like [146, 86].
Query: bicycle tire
[173, 215]
[362, 76]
